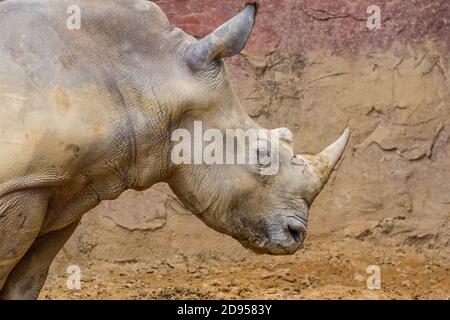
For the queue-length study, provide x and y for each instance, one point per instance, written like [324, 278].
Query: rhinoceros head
[267, 213]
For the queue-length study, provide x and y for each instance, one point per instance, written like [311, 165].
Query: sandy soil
[322, 270]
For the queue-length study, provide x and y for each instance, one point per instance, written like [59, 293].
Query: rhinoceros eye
[263, 158]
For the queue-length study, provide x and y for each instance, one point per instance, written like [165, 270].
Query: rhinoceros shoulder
[59, 111]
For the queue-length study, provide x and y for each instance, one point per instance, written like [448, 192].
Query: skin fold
[87, 114]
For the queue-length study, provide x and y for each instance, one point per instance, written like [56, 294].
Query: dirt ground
[322, 270]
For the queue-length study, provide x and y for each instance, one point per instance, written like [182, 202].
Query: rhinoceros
[87, 111]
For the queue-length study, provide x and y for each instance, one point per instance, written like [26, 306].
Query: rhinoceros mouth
[284, 240]
[274, 248]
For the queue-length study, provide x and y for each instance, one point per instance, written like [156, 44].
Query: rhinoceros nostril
[296, 230]
[294, 234]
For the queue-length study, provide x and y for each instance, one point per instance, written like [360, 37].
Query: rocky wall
[315, 67]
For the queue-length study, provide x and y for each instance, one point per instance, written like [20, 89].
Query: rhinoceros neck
[140, 134]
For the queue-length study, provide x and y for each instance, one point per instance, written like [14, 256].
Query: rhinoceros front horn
[227, 40]
[324, 162]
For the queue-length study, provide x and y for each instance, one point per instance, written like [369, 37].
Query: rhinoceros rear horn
[226, 41]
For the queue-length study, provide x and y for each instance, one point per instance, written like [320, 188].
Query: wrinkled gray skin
[87, 114]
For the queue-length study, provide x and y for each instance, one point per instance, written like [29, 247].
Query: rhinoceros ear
[227, 40]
